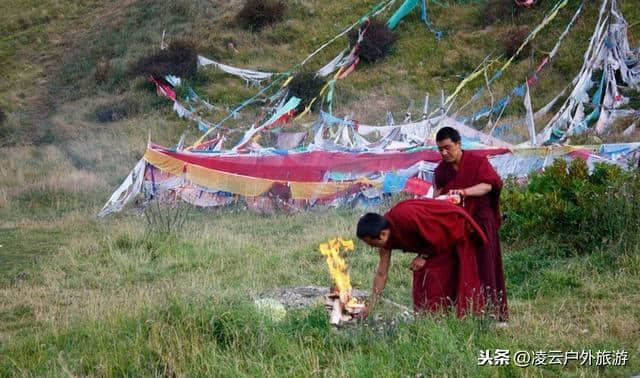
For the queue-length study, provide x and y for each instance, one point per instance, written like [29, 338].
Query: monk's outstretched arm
[380, 278]
[477, 190]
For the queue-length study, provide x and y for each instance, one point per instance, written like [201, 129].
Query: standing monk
[445, 271]
[474, 179]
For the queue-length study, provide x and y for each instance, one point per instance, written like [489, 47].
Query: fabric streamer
[393, 183]
[164, 170]
[609, 51]
[248, 75]
[530, 122]
[552, 15]
[417, 186]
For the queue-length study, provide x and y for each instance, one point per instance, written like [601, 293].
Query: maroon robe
[441, 231]
[485, 210]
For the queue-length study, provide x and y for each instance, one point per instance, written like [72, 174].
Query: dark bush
[512, 40]
[3, 116]
[496, 10]
[306, 86]
[180, 59]
[376, 43]
[116, 111]
[567, 204]
[256, 14]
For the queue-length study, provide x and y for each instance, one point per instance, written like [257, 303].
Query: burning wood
[340, 302]
[342, 312]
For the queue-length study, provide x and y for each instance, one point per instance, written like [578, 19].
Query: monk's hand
[458, 192]
[364, 313]
[418, 263]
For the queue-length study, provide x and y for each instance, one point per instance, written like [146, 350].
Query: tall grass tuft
[499, 10]
[166, 217]
[377, 41]
[512, 40]
[180, 59]
[256, 14]
[103, 70]
[306, 86]
[116, 110]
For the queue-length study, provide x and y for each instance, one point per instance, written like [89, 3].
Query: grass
[81, 296]
[144, 303]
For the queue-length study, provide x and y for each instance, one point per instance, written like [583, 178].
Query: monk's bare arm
[478, 190]
[474, 191]
[380, 279]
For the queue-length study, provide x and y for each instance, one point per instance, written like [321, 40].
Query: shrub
[497, 10]
[117, 110]
[166, 216]
[376, 43]
[306, 86]
[256, 14]
[512, 40]
[180, 59]
[3, 117]
[566, 203]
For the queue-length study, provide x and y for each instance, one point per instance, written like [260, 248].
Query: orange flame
[338, 266]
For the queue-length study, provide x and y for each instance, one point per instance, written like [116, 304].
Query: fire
[338, 267]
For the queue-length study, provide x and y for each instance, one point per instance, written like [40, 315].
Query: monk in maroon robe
[444, 272]
[474, 179]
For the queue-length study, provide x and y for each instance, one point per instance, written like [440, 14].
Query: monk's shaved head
[371, 225]
[373, 229]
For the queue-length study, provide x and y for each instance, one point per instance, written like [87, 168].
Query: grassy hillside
[82, 296]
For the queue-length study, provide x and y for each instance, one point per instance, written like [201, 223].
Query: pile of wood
[342, 308]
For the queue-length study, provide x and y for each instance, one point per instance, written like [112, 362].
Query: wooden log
[346, 318]
[336, 312]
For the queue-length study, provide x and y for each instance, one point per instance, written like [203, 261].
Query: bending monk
[445, 271]
[473, 178]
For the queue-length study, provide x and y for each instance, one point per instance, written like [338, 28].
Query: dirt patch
[116, 110]
[304, 296]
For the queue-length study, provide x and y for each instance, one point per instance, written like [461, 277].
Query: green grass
[116, 300]
[23, 252]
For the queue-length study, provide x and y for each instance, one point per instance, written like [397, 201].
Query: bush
[512, 40]
[306, 86]
[256, 14]
[581, 210]
[166, 216]
[180, 59]
[497, 10]
[376, 43]
[117, 110]
[3, 116]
